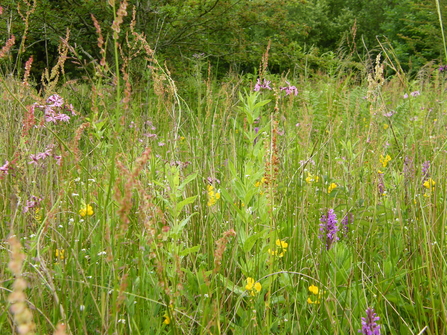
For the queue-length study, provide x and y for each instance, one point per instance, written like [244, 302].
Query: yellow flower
[261, 182]
[384, 160]
[313, 289]
[60, 254]
[429, 184]
[212, 195]
[252, 286]
[282, 244]
[167, 319]
[385, 126]
[282, 248]
[86, 210]
[38, 214]
[331, 187]
[311, 178]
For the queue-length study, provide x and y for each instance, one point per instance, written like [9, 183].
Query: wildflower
[264, 85]
[429, 184]
[212, 180]
[331, 187]
[345, 222]
[38, 214]
[385, 126]
[5, 168]
[86, 210]
[415, 93]
[389, 114]
[55, 101]
[311, 178]
[167, 319]
[315, 291]
[261, 182]
[369, 324]
[212, 195]
[60, 254]
[405, 96]
[289, 89]
[34, 202]
[252, 286]
[280, 249]
[384, 160]
[329, 228]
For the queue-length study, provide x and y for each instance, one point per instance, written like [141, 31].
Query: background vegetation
[231, 34]
[222, 167]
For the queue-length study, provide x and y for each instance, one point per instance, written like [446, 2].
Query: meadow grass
[200, 207]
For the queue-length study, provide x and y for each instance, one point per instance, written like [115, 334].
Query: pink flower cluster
[265, 85]
[34, 202]
[35, 158]
[289, 89]
[54, 108]
[5, 168]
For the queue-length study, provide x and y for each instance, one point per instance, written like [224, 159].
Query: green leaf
[188, 251]
[187, 180]
[250, 242]
[185, 202]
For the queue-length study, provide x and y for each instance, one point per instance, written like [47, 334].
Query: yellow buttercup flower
[282, 244]
[331, 187]
[87, 210]
[167, 319]
[280, 250]
[429, 184]
[313, 289]
[252, 286]
[384, 160]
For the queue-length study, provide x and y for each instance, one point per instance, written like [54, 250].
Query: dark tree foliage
[230, 34]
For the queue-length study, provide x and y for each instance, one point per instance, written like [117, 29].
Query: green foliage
[226, 34]
[166, 207]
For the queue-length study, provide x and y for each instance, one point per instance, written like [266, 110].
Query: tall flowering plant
[329, 228]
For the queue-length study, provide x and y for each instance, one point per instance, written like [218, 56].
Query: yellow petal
[313, 289]
[250, 283]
